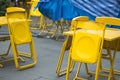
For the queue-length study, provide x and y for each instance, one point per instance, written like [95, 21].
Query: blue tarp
[57, 9]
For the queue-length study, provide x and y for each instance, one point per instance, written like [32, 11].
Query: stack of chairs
[86, 44]
[76, 50]
[19, 32]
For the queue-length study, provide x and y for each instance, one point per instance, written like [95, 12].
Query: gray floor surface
[47, 51]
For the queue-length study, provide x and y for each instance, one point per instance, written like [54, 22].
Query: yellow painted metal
[35, 13]
[16, 12]
[3, 20]
[112, 44]
[32, 11]
[108, 20]
[49, 28]
[86, 51]
[13, 9]
[65, 47]
[20, 34]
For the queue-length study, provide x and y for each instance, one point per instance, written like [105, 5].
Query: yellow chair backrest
[108, 20]
[16, 12]
[18, 24]
[19, 29]
[75, 24]
[87, 42]
[32, 11]
[83, 22]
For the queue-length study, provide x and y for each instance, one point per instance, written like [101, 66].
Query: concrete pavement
[47, 51]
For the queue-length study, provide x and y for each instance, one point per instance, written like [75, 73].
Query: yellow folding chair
[18, 26]
[12, 12]
[65, 47]
[111, 42]
[112, 47]
[35, 13]
[17, 22]
[20, 34]
[86, 45]
[17, 13]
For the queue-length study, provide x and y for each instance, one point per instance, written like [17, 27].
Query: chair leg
[68, 67]
[97, 69]
[41, 23]
[57, 28]
[78, 70]
[33, 52]
[59, 64]
[72, 65]
[44, 27]
[60, 60]
[87, 70]
[111, 71]
[16, 55]
[36, 24]
[115, 71]
[5, 54]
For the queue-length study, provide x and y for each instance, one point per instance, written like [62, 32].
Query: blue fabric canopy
[50, 9]
[57, 9]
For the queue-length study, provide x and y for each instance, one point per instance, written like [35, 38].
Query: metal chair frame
[80, 22]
